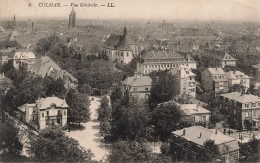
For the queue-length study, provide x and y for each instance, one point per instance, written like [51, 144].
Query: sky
[226, 10]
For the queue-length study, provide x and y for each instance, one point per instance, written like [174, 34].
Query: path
[89, 137]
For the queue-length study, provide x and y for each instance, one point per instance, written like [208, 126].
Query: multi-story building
[45, 66]
[72, 18]
[191, 140]
[185, 81]
[225, 59]
[23, 58]
[239, 107]
[196, 113]
[162, 60]
[214, 79]
[44, 112]
[117, 47]
[237, 77]
[138, 85]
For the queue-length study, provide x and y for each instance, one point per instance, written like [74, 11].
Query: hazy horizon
[202, 10]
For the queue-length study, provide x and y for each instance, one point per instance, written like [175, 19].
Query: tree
[129, 123]
[248, 125]
[167, 117]
[209, 152]
[237, 88]
[10, 146]
[104, 110]
[54, 87]
[78, 107]
[45, 44]
[163, 88]
[52, 145]
[123, 151]
[85, 88]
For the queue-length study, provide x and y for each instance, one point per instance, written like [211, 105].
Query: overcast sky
[236, 10]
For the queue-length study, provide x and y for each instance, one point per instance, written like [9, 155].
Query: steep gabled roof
[216, 71]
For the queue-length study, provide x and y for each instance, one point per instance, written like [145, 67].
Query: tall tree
[167, 117]
[78, 107]
[10, 146]
[163, 88]
[52, 145]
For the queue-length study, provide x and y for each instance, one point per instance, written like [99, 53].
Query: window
[47, 112]
[42, 114]
[127, 54]
[122, 54]
[135, 89]
[146, 89]
[33, 118]
[204, 118]
[64, 112]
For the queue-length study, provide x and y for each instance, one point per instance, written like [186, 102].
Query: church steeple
[125, 31]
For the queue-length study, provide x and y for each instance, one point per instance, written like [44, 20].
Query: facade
[72, 18]
[162, 60]
[138, 85]
[239, 107]
[237, 77]
[117, 47]
[44, 112]
[23, 59]
[185, 83]
[196, 113]
[45, 66]
[225, 59]
[195, 136]
[214, 79]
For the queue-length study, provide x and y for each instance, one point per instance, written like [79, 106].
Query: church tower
[125, 31]
[72, 18]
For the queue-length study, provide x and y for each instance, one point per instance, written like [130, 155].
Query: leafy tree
[123, 151]
[52, 145]
[237, 88]
[104, 110]
[163, 88]
[78, 107]
[55, 88]
[209, 152]
[85, 88]
[17, 76]
[10, 146]
[167, 117]
[129, 123]
[45, 44]
[7, 66]
[116, 97]
[248, 125]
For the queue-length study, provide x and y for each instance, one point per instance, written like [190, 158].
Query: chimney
[184, 131]
[216, 132]
[200, 134]
[234, 72]
[197, 107]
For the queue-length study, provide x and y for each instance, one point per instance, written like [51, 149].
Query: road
[89, 136]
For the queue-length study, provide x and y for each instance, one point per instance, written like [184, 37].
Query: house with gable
[23, 59]
[45, 112]
[117, 47]
[45, 66]
[138, 85]
[224, 59]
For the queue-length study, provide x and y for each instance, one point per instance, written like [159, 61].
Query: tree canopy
[52, 145]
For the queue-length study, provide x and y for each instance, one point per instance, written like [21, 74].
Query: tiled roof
[138, 81]
[223, 141]
[47, 102]
[23, 107]
[161, 55]
[118, 42]
[242, 98]
[43, 65]
[190, 109]
[236, 75]
[216, 71]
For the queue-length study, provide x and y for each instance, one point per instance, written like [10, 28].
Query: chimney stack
[184, 132]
